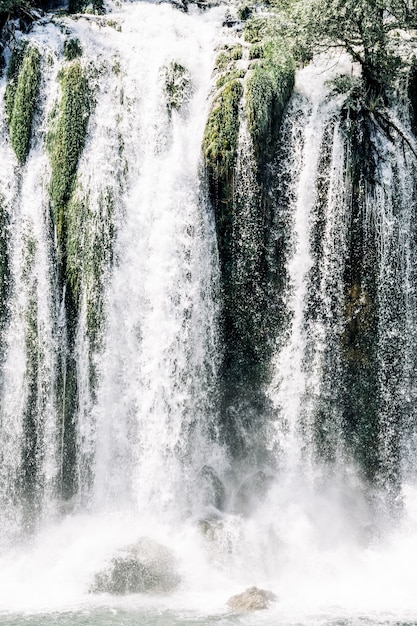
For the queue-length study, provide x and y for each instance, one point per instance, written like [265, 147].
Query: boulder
[143, 567]
[253, 599]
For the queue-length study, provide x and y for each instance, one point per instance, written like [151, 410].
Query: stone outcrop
[253, 599]
[145, 567]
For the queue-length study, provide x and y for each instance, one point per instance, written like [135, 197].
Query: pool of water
[134, 617]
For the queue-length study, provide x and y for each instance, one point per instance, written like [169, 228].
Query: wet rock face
[212, 489]
[252, 492]
[145, 567]
[253, 599]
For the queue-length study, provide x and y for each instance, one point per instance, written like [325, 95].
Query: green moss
[256, 51]
[66, 141]
[222, 130]
[24, 103]
[72, 49]
[268, 91]
[222, 61]
[177, 85]
[236, 52]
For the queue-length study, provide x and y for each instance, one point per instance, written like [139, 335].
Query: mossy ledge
[21, 95]
[254, 91]
[222, 130]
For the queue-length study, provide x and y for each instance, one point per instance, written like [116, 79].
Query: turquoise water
[167, 618]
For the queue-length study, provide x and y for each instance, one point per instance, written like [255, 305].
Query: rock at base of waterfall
[145, 567]
[253, 599]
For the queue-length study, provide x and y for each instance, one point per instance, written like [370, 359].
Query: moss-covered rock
[99, 260]
[222, 130]
[31, 444]
[227, 56]
[268, 90]
[13, 69]
[25, 103]
[89, 253]
[86, 6]
[257, 29]
[145, 567]
[253, 93]
[177, 85]
[72, 49]
[21, 95]
[66, 141]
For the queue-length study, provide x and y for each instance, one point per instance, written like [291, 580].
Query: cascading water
[116, 423]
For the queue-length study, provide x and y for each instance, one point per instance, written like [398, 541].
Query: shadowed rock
[212, 489]
[252, 492]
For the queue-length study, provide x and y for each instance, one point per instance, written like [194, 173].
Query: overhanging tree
[367, 30]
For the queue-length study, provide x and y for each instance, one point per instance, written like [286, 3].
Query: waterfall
[117, 351]
[215, 355]
[313, 203]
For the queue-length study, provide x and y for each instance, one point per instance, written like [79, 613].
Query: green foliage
[177, 85]
[24, 103]
[86, 6]
[344, 84]
[72, 49]
[67, 140]
[222, 130]
[14, 8]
